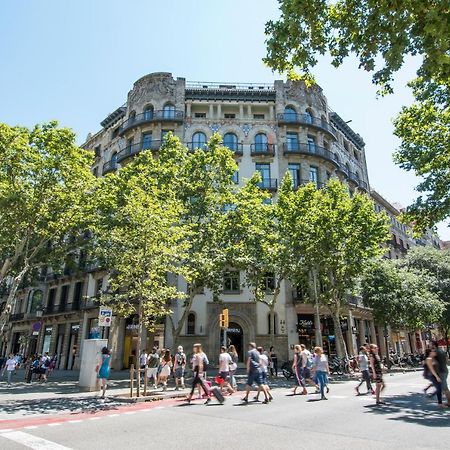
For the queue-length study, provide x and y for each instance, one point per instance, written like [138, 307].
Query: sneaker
[208, 400]
[323, 398]
[245, 400]
[265, 402]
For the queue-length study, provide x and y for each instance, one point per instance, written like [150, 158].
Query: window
[258, 116]
[200, 115]
[169, 111]
[290, 114]
[235, 178]
[314, 175]
[292, 141]
[77, 295]
[114, 159]
[51, 299]
[64, 296]
[199, 140]
[231, 281]
[230, 116]
[312, 144]
[147, 140]
[148, 113]
[294, 169]
[98, 151]
[261, 142]
[269, 324]
[98, 288]
[308, 116]
[264, 170]
[328, 175]
[36, 301]
[230, 140]
[269, 282]
[190, 323]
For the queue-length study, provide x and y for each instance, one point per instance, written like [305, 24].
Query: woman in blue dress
[103, 368]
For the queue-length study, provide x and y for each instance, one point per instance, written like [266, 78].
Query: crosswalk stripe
[33, 442]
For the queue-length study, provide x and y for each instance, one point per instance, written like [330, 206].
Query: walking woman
[233, 367]
[166, 365]
[103, 368]
[321, 370]
[377, 372]
[297, 368]
[274, 362]
[431, 364]
[198, 367]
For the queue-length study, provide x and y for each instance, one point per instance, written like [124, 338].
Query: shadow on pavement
[52, 406]
[413, 408]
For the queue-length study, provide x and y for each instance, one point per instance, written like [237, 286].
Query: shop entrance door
[235, 336]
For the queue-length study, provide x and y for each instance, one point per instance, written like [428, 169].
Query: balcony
[134, 149]
[110, 166]
[259, 149]
[152, 116]
[237, 149]
[270, 184]
[300, 148]
[305, 119]
[61, 308]
[353, 177]
[299, 183]
[16, 317]
[192, 146]
[363, 185]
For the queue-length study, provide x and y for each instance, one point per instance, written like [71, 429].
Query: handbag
[233, 367]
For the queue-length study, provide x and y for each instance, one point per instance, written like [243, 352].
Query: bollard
[131, 379]
[138, 382]
[145, 380]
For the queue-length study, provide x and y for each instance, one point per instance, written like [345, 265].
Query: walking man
[377, 372]
[179, 368]
[254, 373]
[363, 361]
[442, 369]
[10, 367]
[153, 364]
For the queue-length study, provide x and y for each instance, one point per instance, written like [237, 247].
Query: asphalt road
[345, 421]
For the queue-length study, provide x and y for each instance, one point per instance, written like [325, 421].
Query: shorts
[306, 373]
[263, 377]
[254, 377]
[179, 372]
[444, 385]
[152, 372]
[365, 375]
[378, 378]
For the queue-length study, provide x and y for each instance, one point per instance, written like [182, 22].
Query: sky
[75, 61]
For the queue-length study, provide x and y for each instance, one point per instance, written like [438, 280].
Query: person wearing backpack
[179, 368]
[152, 367]
[254, 373]
[306, 362]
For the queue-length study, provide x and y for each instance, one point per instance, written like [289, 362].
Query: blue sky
[75, 61]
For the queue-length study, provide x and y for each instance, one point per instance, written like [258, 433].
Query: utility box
[91, 357]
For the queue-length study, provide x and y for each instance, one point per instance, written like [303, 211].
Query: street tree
[347, 233]
[45, 196]
[381, 34]
[399, 297]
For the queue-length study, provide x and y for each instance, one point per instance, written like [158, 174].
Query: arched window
[261, 142]
[308, 116]
[169, 111]
[114, 159]
[274, 323]
[148, 112]
[36, 301]
[230, 140]
[191, 323]
[199, 140]
[290, 114]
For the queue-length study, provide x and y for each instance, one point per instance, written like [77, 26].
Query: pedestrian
[432, 364]
[43, 366]
[264, 365]
[306, 363]
[233, 366]
[225, 362]
[442, 369]
[103, 369]
[377, 372]
[142, 363]
[179, 368]
[153, 364]
[321, 370]
[198, 367]
[298, 370]
[426, 372]
[52, 365]
[9, 366]
[274, 362]
[166, 366]
[254, 373]
[363, 361]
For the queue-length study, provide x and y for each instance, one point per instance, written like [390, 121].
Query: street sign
[104, 317]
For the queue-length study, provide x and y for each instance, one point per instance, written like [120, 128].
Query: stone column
[219, 111]
[249, 111]
[65, 347]
[351, 344]
[241, 111]
[211, 111]
[271, 112]
[188, 109]
[362, 332]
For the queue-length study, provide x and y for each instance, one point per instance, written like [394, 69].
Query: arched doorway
[235, 336]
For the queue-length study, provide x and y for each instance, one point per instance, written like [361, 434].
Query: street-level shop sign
[104, 317]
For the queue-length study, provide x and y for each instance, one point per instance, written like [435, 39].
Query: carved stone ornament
[215, 127]
[246, 128]
[151, 86]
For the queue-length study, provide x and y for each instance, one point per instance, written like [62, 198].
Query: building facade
[272, 129]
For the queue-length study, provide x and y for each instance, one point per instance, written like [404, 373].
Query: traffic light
[225, 317]
[222, 321]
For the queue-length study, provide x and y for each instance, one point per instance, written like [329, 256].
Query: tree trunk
[176, 329]
[272, 324]
[341, 348]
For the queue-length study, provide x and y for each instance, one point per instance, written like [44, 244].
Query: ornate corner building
[271, 128]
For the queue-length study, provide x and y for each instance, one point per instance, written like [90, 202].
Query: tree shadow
[412, 408]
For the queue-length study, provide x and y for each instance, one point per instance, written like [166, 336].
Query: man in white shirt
[306, 356]
[225, 361]
[10, 367]
[142, 363]
[264, 366]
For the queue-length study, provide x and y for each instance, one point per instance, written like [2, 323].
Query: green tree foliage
[45, 192]
[381, 34]
[400, 297]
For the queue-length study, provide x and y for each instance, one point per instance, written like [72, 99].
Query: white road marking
[33, 442]
[6, 430]
[74, 421]
[31, 427]
[129, 413]
[112, 415]
[56, 424]
[158, 407]
[94, 418]
[338, 396]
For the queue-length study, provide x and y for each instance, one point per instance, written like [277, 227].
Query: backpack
[309, 362]
[181, 359]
